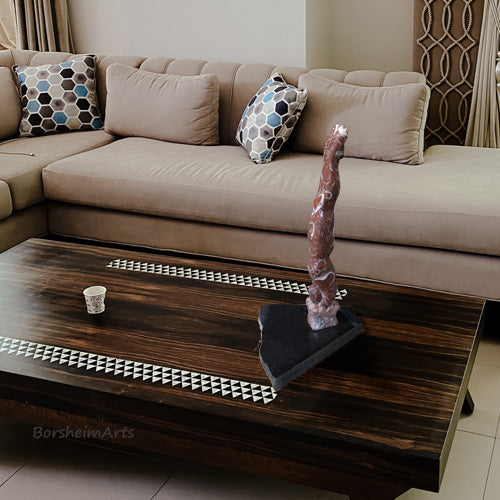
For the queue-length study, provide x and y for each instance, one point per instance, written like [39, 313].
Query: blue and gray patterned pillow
[269, 118]
[58, 97]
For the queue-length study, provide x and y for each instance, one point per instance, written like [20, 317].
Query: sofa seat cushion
[219, 184]
[23, 173]
[426, 205]
[5, 201]
[448, 202]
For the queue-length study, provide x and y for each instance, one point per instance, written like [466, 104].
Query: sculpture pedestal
[289, 347]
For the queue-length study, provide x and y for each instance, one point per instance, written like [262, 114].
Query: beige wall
[371, 34]
[346, 34]
[318, 33]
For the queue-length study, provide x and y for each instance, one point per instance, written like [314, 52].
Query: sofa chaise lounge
[433, 225]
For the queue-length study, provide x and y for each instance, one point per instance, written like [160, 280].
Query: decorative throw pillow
[58, 97]
[10, 107]
[269, 118]
[385, 123]
[172, 108]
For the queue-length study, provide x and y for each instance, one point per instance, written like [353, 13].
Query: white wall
[231, 30]
[345, 34]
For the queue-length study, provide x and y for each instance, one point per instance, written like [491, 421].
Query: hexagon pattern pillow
[58, 97]
[269, 118]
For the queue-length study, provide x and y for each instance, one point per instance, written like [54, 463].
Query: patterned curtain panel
[484, 119]
[7, 29]
[446, 36]
[42, 25]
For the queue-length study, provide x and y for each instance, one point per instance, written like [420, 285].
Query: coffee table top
[184, 333]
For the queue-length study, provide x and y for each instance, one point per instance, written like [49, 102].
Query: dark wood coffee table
[172, 366]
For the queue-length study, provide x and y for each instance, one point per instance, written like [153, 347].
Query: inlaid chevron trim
[124, 368]
[215, 276]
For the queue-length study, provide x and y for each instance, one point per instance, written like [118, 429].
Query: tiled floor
[60, 470]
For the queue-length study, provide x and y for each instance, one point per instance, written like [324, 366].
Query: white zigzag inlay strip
[215, 276]
[174, 377]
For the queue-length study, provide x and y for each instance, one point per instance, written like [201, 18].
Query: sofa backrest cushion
[237, 82]
[10, 105]
[384, 123]
[171, 108]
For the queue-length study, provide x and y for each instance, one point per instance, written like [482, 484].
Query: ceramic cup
[94, 299]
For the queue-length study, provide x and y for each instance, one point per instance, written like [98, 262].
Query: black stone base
[289, 347]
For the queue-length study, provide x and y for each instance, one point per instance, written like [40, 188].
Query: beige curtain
[7, 29]
[42, 25]
[484, 119]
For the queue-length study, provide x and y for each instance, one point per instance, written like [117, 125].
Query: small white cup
[94, 298]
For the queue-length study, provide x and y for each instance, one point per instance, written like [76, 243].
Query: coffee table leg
[468, 406]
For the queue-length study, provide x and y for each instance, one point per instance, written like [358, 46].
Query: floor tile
[488, 352]
[484, 387]
[16, 447]
[68, 470]
[193, 481]
[466, 472]
[329, 495]
[493, 484]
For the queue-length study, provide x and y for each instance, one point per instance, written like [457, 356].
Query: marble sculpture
[321, 304]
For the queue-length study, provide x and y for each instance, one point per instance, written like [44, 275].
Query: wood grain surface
[384, 408]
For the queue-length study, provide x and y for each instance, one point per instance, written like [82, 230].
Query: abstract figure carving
[294, 338]
[321, 304]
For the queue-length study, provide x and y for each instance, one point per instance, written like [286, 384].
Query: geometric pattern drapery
[446, 40]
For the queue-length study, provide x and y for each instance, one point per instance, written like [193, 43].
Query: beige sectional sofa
[434, 225]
